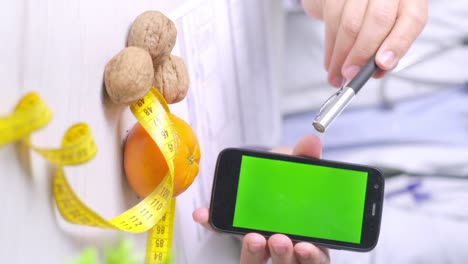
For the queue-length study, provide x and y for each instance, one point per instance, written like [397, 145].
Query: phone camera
[376, 186]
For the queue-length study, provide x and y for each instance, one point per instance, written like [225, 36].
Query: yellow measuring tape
[155, 213]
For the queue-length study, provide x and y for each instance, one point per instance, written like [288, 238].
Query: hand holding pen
[357, 29]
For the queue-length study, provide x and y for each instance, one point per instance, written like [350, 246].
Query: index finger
[379, 20]
[411, 21]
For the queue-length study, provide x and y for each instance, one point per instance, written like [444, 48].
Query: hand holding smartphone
[332, 204]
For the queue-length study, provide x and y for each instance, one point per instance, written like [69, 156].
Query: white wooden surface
[60, 48]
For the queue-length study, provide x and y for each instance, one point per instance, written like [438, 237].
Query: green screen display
[300, 199]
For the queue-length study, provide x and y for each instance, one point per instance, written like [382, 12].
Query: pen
[338, 101]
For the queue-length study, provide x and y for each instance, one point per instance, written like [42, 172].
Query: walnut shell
[128, 76]
[171, 79]
[154, 32]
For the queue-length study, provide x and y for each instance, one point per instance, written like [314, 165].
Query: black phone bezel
[224, 193]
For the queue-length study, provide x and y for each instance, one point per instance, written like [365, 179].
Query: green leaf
[88, 256]
[121, 253]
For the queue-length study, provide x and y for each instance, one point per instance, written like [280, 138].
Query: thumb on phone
[308, 146]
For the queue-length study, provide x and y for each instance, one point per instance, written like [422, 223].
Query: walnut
[171, 79]
[128, 76]
[156, 33]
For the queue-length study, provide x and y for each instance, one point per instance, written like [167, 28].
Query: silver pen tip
[319, 127]
[332, 108]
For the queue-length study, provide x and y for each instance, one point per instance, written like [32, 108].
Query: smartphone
[331, 204]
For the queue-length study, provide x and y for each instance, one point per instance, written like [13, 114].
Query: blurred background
[412, 124]
[256, 80]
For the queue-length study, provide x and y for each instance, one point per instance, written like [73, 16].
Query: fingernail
[351, 71]
[255, 248]
[280, 250]
[387, 58]
[337, 81]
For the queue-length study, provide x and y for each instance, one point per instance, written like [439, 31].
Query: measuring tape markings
[159, 240]
[154, 213]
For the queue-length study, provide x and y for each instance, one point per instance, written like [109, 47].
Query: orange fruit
[144, 163]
